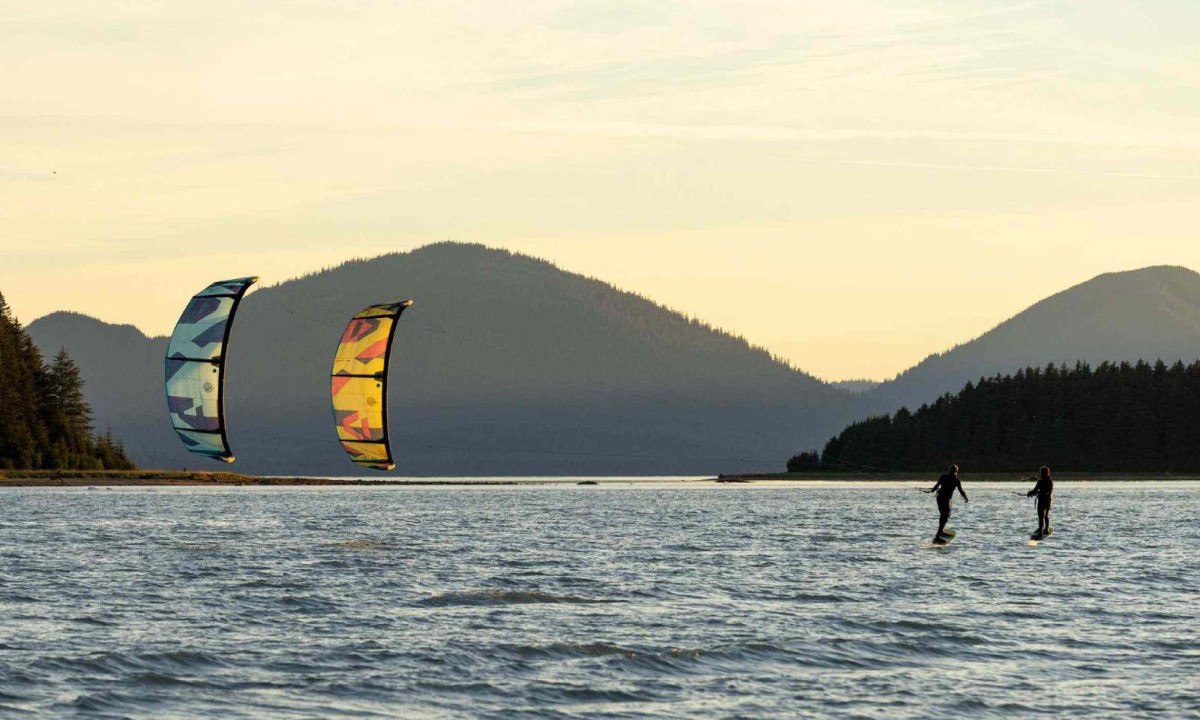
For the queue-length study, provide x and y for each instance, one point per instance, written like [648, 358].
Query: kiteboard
[947, 535]
[1041, 536]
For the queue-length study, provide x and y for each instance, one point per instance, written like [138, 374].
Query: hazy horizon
[851, 187]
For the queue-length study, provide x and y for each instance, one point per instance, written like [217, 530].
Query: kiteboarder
[945, 487]
[1044, 490]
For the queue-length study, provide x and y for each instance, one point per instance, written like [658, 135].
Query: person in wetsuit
[1044, 490]
[945, 487]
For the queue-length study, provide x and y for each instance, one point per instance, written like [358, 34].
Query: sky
[852, 185]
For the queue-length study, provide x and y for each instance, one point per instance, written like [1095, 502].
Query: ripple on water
[358, 545]
[487, 598]
[307, 605]
[121, 663]
[89, 620]
[200, 547]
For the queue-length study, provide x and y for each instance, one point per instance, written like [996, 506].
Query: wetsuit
[1044, 490]
[945, 487]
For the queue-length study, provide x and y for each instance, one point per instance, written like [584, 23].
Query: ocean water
[661, 600]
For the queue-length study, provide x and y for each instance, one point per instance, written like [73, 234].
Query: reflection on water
[563, 601]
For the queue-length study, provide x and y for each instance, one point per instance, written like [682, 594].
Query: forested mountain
[1150, 314]
[509, 365]
[505, 365]
[44, 420]
[1117, 417]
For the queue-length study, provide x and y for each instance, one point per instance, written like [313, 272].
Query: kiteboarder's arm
[962, 492]
[935, 487]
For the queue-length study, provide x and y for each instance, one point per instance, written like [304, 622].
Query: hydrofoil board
[947, 535]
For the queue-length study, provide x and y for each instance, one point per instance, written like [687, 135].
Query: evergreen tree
[804, 461]
[44, 420]
[22, 382]
[1131, 417]
[68, 417]
[110, 453]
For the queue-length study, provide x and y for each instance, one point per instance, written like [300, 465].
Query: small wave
[99, 702]
[316, 606]
[692, 548]
[272, 584]
[668, 659]
[13, 677]
[198, 547]
[471, 688]
[358, 545]
[114, 663]
[87, 620]
[570, 651]
[818, 599]
[181, 660]
[156, 679]
[560, 693]
[18, 598]
[505, 597]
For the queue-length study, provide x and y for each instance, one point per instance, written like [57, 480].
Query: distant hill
[118, 364]
[505, 365]
[1151, 314]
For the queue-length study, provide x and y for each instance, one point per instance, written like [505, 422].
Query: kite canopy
[195, 368]
[359, 385]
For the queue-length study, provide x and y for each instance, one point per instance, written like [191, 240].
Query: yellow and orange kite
[359, 385]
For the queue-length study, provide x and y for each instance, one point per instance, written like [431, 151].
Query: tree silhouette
[44, 421]
[1118, 417]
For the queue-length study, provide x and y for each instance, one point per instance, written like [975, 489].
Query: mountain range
[508, 365]
[505, 365]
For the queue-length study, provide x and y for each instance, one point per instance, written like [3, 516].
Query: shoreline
[932, 476]
[167, 478]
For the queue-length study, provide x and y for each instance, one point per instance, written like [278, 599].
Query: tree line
[1117, 417]
[44, 421]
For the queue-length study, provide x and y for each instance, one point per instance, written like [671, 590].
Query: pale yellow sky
[852, 187]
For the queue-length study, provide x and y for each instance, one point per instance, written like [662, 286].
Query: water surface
[617, 601]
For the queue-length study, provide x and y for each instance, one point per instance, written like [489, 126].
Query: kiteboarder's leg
[1043, 509]
[944, 511]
